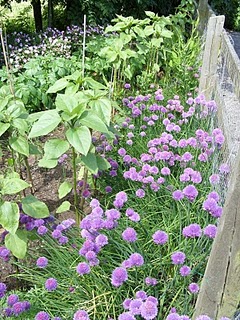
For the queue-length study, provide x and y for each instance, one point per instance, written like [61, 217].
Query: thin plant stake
[84, 45]
[6, 63]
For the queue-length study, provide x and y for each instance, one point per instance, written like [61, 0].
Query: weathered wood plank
[220, 288]
[210, 56]
[232, 62]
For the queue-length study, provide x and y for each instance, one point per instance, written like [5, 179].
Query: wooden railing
[220, 289]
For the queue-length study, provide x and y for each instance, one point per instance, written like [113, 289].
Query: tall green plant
[80, 112]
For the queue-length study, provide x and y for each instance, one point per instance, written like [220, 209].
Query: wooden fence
[220, 289]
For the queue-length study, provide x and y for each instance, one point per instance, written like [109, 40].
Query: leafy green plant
[37, 75]
[14, 129]
[79, 112]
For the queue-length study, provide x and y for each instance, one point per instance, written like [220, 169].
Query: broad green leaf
[13, 185]
[66, 103]
[150, 14]
[128, 73]
[4, 102]
[58, 86]
[20, 145]
[166, 33]
[34, 208]
[93, 121]
[65, 206]
[9, 216]
[45, 124]
[47, 163]
[75, 75]
[148, 30]
[93, 84]
[20, 124]
[69, 104]
[72, 88]
[139, 31]
[15, 109]
[33, 149]
[54, 148]
[90, 162]
[102, 163]
[80, 138]
[17, 243]
[64, 189]
[103, 109]
[3, 127]
[35, 116]
[156, 42]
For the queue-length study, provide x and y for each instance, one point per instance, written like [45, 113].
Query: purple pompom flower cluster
[211, 205]
[142, 305]
[15, 307]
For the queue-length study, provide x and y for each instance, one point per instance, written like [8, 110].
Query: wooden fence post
[220, 289]
[203, 14]
[210, 56]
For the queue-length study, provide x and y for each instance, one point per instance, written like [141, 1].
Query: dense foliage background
[61, 13]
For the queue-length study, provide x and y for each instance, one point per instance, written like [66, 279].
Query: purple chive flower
[3, 289]
[129, 235]
[203, 317]
[160, 237]
[134, 306]
[18, 308]
[51, 284]
[193, 287]
[184, 317]
[173, 316]
[165, 171]
[185, 271]
[4, 253]
[140, 193]
[101, 240]
[42, 230]
[186, 157]
[148, 310]
[126, 303]
[210, 205]
[62, 240]
[122, 152]
[42, 315]
[214, 179]
[178, 257]
[56, 234]
[42, 262]
[190, 192]
[81, 315]
[8, 312]
[210, 231]
[26, 305]
[108, 189]
[136, 260]
[151, 281]
[141, 295]
[224, 168]
[177, 195]
[119, 275]
[12, 299]
[83, 268]
[192, 231]
[126, 316]
[127, 86]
